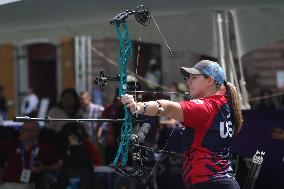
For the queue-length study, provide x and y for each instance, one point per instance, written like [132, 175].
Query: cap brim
[188, 71]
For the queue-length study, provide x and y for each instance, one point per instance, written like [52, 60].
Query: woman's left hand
[129, 102]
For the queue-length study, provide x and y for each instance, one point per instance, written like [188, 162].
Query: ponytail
[234, 105]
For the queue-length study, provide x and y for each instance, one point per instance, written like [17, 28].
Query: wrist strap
[145, 107]
[160, 109]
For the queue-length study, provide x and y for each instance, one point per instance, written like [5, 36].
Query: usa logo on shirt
[226, 128]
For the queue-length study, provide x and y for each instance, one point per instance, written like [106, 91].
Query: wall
[7, 76]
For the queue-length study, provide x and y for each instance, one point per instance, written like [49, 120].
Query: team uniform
[207, 136]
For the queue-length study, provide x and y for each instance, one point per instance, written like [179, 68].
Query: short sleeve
[195, 112]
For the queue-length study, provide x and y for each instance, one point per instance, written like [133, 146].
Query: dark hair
[76, 105]
[73, 128]
[234, 104]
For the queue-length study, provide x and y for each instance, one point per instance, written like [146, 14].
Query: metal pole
[220, 35]
[245, 102]
[89, 65]
[77, 63]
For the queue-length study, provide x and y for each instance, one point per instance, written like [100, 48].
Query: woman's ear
[211, 81]
[223, 89]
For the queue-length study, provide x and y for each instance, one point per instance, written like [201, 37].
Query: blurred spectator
[80, 157]
[108, 132]
[67, 108]
[266, 103]
[97, 96]
[278, 133]
[30, 103]
[3, 104]
[74, 134]
[90, 111]
[26, 158]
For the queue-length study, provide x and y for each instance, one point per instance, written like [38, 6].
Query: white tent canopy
[185, 23]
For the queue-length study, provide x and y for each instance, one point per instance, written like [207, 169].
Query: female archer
[211, 120]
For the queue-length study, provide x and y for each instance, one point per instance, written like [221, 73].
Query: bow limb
[125, 52]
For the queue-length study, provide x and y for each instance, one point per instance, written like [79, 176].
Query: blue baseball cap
[206, 67]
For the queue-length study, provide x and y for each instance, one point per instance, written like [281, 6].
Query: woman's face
[85, 100]
[68, 101]
[197, 85]
[29, 131]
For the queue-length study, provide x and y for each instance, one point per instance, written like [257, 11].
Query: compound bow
[139, 171]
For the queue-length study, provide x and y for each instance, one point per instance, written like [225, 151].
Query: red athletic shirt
[92, 152]
[207, 135]
[11, 149]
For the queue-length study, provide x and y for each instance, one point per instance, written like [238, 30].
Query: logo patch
[198, 101]
[226, 128]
